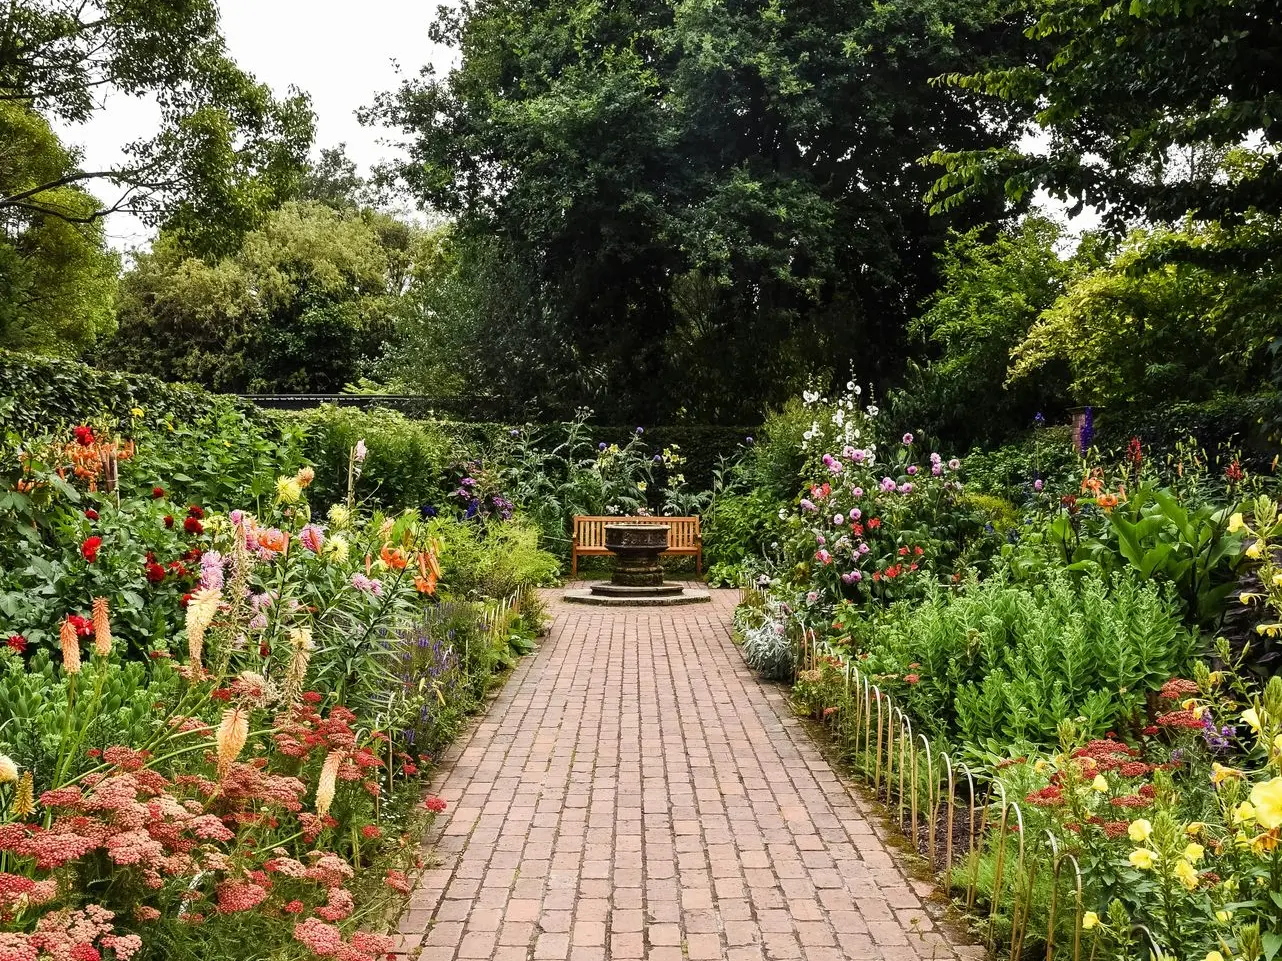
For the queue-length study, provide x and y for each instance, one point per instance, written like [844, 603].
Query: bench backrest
[683, 532]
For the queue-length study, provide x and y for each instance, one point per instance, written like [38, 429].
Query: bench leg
[698, 562]
[574, 562]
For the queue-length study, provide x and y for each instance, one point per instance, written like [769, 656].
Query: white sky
[341, 54]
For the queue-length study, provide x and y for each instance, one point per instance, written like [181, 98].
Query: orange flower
[1106, 501]
[393, 557]
[1092, 484]
[426, 585]
[101, 628]
[274, 540]
[70, 648]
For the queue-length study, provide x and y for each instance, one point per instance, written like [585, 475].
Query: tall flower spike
[200, 614]
[101, 628]
[70, 648]
[301, 646]
[328, 781]
[233, 732]
[24, 800]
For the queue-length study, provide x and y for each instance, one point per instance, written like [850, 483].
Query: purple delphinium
[1087, 434]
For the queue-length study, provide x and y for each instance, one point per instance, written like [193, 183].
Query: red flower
[371, 831]
[90, 548]
[157, 493]
[409, 769]
[84, 951]
[434, 804]
[186, 599]
[311, 697]
[918, 551]
[17, 643]
[169, 521]
[91, 514]
[1150, 730]
[83, 626]
[294, 907]
[84, 436]
[220, 694]
[911, 678]
[903, 552]
[196, 511]
[155, 572]
[874, 523]
[192, 526]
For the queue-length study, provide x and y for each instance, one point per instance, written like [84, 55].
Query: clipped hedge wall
[1248, 424]
[42, 393]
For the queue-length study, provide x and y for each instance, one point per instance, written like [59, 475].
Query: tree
[57, 277]
[1139, 99]
[1151, 328]
[993, 293]
[305, 303]
[692, 204]
[226, 152]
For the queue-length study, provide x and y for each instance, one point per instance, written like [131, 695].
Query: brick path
[634, 793]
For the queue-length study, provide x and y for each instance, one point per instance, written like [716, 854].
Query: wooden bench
[684, 537]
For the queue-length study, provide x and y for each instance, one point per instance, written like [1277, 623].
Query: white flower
[858, 390]
[809, 396]
[8, 770]
[873, 411]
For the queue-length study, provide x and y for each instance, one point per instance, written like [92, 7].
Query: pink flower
[908, 439]
[323, 939]
[911, 678]
[312, 538]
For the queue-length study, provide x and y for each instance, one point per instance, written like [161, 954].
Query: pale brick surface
[635, 793]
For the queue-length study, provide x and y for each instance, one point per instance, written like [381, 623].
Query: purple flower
[514, 433]
[640, 431]
[912, 470]
[908, 440]
[749, 441]
[905, 488]
[935, 458]
[887, 485]
[1038, 485]
[1087, 434]
[838, 519]
[812, 597]
[852, 577]
[856, 513]
[864, 549]
[936, 470]
[807, 504]
[601, 446]
[857, 493]
[211, 570]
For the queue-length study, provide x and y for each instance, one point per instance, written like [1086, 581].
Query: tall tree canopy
[1139, 98]
[57, 278]
[687, 204]
[226, 151]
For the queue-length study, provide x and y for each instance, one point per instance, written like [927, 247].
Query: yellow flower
[288, 490]
[1099, 784]
[1214, 956]
[1266, 798]
[1089, 920]
[136, 411]
[1252, 719]
[1243, 813]
[1277, 579]
[1187, 874]
[24, 799]
[641, 486]
[1223, 916]
[1277, 744]
[1193, 828]
[1194, 852]
[1140, 830]
[1041, 764]
[1220, 773]
[8, 769]
[1255, 551]
[1189, 703]
[1236, 523]
[339, 517]
[336, 548]
[305, 476]
[1143, 859]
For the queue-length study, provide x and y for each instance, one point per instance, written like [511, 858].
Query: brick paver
[635, 793]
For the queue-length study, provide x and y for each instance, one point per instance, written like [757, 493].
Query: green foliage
[226, 151]
[1171, 315]
[1002, 663]
[1131, 129]
[491, 560]
[300, 305]
[408, 461]
[992, 295]
[1044, 453]
[57, 277]
[739, 526]
[747, 180]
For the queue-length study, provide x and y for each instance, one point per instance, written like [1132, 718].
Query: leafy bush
[1001, 664]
